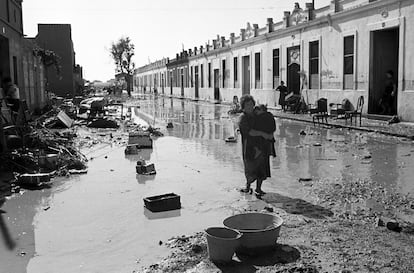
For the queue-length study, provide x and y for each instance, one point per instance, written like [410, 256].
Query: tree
[122, 52]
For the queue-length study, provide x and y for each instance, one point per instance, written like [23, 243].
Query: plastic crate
[164, 202]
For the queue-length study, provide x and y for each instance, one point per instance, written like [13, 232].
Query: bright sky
[157, 28]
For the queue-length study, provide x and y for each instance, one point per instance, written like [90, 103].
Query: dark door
[4, 57]
[182, 82]
[171, 83]
[293, 64]
[216, 84]
[196, 82]
[162, 83]
[246, 75]
[384, 57]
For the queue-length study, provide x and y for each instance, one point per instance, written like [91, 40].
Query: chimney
[256, 30]
[243, 34]
[309, 11]
[270, 25]
[201, 49]
[177, 56]
[232, 38]
[207, 47]
[190, 52]
[286, 17]
[334, 6]
[223, 41]
[195, 50]
[214, 44]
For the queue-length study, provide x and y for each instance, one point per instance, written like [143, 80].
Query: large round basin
[260, 231]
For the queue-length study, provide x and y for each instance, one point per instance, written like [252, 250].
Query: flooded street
[96, 222]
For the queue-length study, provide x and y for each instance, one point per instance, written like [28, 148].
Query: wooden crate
[140, 138]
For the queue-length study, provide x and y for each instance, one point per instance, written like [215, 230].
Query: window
[235, 72]
[257, 69]
[276, 68]
[314, 65]
[202, 75]
[224, 72]
[348, 62]
[209, 75]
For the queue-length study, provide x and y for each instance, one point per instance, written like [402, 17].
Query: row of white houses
[339, 51]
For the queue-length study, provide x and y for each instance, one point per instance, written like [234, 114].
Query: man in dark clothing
[283, 93]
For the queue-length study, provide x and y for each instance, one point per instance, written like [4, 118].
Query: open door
[293, 68]
[384, 57]
[182, 83]
[246, 75]
[4, 57]
[216, 84]
[196, 82]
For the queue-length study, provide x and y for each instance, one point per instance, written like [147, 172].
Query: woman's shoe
[246, 190]
[259, 192]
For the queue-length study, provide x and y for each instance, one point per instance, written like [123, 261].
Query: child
[265, 122]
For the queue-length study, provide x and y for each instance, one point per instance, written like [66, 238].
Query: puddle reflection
[161, 215]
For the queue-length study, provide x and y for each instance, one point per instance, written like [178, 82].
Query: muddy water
[97, 223]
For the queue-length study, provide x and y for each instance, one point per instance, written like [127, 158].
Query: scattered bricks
[170, 125]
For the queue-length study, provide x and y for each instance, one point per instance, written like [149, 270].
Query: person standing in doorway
[387, 101]
[283, 93]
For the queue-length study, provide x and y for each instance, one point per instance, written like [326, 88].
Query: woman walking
[256, 160]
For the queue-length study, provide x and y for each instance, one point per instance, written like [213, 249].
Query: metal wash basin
[260, 231]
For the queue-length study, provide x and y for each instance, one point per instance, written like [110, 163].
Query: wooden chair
[355, 113]
[321, 112]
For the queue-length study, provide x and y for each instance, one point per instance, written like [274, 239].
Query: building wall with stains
[341, 51]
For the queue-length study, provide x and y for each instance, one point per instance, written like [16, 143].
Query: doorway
[246, 75]
[171, 83]
[4, 57]
[196, 82]
[182, 82]
[293, 65]
[162, 83]
[216, 84]
[384, 57]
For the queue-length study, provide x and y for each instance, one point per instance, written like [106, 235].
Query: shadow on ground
[296, 206]
[281, 254]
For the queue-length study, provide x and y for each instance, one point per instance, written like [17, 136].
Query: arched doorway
[293, 68]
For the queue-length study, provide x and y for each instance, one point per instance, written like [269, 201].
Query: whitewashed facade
[336, 52]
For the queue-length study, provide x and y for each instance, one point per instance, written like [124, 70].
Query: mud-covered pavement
[329, 186]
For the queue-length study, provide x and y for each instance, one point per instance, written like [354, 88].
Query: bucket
[260, 231]
[222, 243]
